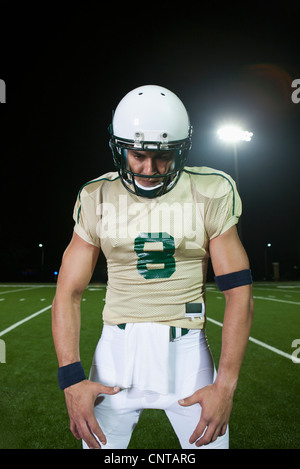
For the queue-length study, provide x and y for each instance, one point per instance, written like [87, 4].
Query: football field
[266, 411]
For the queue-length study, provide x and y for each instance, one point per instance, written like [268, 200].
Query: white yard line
[28, 318]
[276, 299]
[19, 289]
[277, 290]
[262, 344]
[267, 299]
[29, 285]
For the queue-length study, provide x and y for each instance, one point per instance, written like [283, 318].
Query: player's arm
[76, 270]
[77, 267]
[227, 255]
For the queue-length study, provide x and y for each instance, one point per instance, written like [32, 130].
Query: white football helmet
[150, 118]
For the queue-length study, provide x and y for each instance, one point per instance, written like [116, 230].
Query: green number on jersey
[162, 255]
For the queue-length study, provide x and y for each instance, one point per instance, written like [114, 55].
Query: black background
[66, 66]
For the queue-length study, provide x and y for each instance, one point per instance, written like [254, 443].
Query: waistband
[175, 332]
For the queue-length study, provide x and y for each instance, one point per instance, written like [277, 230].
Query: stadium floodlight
[231, 133]
[234, 134]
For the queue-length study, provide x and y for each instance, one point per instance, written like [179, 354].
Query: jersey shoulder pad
[211, 182]
[91, 186]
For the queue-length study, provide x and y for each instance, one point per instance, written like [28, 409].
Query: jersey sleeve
[86, 219]
[223, 210]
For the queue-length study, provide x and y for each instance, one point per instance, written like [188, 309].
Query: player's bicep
[227, 253]
[78, 264]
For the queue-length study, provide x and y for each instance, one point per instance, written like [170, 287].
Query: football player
[157, 222]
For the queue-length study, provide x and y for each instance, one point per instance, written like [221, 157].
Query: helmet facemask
[166, 181]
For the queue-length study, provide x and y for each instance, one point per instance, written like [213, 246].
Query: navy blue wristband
[70, 374]
[234, 279]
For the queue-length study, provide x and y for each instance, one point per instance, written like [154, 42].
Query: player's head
[150, 137]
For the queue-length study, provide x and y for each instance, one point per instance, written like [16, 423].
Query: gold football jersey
[157, 249]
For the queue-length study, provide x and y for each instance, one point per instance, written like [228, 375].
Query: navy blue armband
[70, 374]
[234, 279]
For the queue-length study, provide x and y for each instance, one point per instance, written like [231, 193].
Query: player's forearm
[66, 327]
[235, 334]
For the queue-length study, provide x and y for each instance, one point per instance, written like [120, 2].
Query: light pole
[234, 134]
[267, 246]
[42, 260]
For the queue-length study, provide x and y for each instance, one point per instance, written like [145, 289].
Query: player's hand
[216, 404]
[80, 399]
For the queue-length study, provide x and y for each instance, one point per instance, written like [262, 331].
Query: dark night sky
[67, 67]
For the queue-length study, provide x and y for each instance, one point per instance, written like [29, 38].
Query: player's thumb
[190, 400]
[101, 389]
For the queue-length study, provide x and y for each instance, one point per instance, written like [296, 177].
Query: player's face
[149, 163]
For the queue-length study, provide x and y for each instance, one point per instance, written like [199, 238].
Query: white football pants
[190, 367]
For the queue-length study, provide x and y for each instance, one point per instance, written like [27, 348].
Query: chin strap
[149, 192]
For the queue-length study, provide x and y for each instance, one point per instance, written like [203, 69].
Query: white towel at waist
[147, 357]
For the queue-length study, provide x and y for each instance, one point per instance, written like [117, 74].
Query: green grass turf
[266, 412]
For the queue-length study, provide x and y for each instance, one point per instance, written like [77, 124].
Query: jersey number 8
[155, 253]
